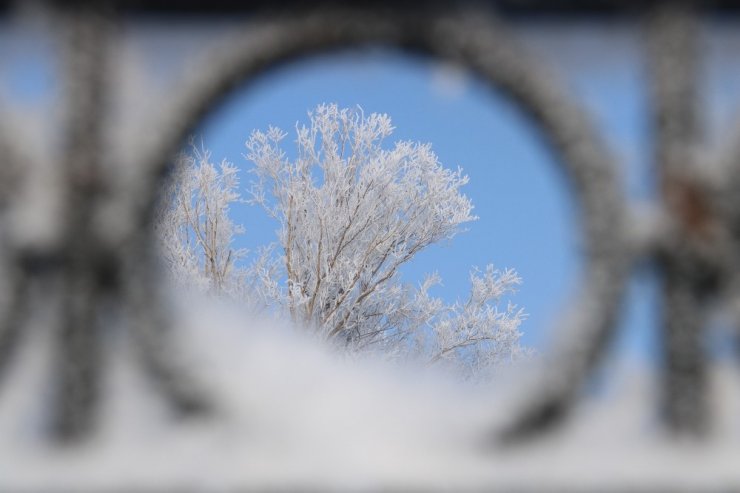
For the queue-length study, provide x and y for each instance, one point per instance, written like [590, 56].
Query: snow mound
[292, 415]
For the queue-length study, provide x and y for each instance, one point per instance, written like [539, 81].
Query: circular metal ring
[475, 40]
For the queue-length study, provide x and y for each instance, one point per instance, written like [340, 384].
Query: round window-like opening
[524, 214]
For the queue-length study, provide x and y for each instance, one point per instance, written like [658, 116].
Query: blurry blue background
[528, 220]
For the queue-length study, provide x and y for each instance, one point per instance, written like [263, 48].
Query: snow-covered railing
[91, 244]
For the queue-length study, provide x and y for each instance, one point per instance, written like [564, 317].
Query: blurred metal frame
[526, 8]
[694, 242]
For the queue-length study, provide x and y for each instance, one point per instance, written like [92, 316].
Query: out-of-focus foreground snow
[293, 416]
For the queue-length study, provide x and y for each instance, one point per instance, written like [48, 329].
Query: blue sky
[528, 220]
[525, 217]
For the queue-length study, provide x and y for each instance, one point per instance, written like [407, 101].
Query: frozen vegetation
[351, 210]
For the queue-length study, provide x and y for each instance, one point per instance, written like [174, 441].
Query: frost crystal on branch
[196, 232]
[194, 227]
[351, 212]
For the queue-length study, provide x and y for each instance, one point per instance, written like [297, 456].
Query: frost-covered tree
[351, 211]
[196, 232]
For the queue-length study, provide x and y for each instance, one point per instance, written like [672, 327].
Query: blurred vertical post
[13, 285]
[673, 30]
[86, 28]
